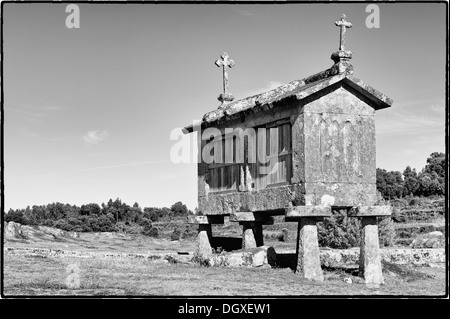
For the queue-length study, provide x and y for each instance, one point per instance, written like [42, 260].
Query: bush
[342, 232]
[63, 224]
[283, 236]
[339, 231]
[176, 234]
[386, 231]
[148, 229]
[15, 216]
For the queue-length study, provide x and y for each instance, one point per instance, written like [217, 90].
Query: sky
[89, 111]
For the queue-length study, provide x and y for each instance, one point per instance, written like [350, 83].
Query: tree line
[428, 182]
[93, 217]
[114, 215]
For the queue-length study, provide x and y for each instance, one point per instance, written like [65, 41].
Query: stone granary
[300, 150]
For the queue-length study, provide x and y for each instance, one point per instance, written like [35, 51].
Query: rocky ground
[49, 251]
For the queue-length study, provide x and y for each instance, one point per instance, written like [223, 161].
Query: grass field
[40, 275]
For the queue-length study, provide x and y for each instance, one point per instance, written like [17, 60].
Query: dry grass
[32, 275]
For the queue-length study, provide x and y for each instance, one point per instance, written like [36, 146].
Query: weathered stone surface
[301, 89]
[16, 230]
[434, 239]
[340, 194]
[263, 218]
[254, 257]
[308, 211]
[370, 258]
[339, 102]
[308, 261]
[339, 140]
[252, 235]
[264, 200]
[13, 230]
[225, 62]
[362, 211]
[203, 219]
[204, 248]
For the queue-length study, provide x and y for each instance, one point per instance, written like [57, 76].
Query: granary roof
[341, 71]
[298, 89]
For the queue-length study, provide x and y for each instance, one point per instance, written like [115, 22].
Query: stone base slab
[370, 211]
[308, 211]
[251, 217]
[205, 219]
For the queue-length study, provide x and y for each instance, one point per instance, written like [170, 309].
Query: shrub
[148, 229]
[63, 224]
[15, 216]
[47, 222]
[341, 232]
[283, 236]
[199, 260]
[386, 231]
[176, 234]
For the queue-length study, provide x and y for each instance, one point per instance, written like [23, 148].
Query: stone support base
[204, 248]
[308, 260]
[369, 257]
[252, 235]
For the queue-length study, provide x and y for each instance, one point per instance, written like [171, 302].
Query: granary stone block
[263, 200]
[203, 220]
[242, 217]
[340, 194]
[368, 211]
[308, 211]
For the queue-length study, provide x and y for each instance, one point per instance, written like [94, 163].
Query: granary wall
[339, 150]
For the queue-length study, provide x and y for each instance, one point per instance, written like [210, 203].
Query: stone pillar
[204, 248]
[370, 258]
[252, 235]
[308, 258]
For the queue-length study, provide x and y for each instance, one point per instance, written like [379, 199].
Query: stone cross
[343, 24]
[225, 62]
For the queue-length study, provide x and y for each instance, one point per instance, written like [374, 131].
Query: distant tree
[148, 229]
[411, 181]
[389, 184]
[432, 177]
[179, 209]
[15, 216]
[436, 163]
[90, 209]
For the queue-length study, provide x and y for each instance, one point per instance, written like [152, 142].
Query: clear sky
[88, 112]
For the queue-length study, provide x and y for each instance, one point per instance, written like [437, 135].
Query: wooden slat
[218, 151]
[261, 158]
[229, 151]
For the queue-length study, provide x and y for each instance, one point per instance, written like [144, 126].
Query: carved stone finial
[341, 57]
[342, 24]
[225, 62]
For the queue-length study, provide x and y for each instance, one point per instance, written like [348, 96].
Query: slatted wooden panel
[224, 173]
[279, 154]
[273, 152]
